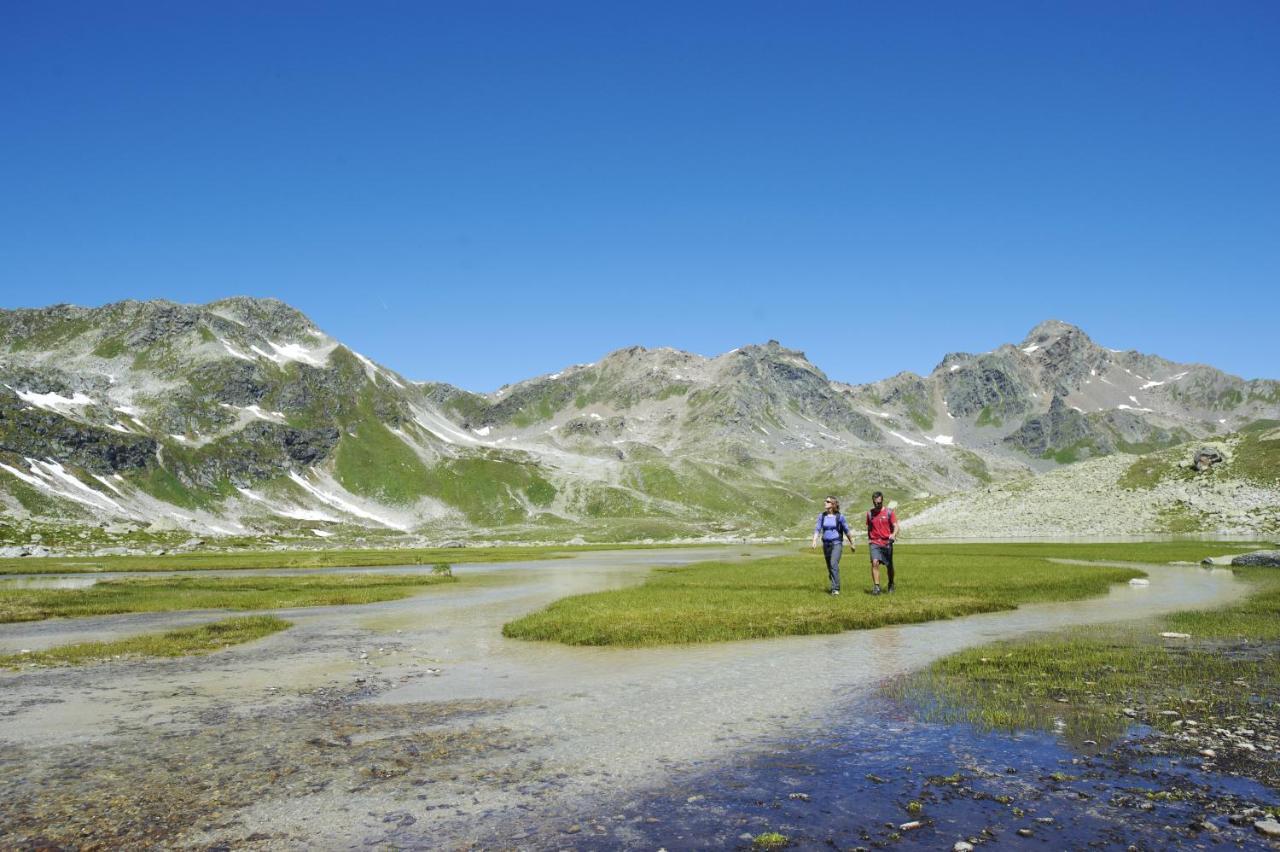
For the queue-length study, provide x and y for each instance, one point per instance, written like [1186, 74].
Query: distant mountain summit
[241, 417]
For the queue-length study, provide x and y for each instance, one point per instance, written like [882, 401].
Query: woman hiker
[830, 528]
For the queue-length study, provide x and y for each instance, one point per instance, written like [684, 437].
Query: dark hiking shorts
[882, 553]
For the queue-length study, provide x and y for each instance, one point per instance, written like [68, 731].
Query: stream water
[414, 723]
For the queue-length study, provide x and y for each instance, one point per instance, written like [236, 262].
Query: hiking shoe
[875, 590]
[835, 592]
[890, 589]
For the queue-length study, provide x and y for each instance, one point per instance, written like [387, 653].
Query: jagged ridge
[242, 416]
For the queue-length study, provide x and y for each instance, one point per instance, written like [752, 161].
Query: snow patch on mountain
[339, 502]
[283, 354]
[904, 439]
[54, 401]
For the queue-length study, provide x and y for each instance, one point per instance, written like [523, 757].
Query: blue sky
[481, 192]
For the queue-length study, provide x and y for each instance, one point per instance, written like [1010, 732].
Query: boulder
[1259, 558]
[1205, 458]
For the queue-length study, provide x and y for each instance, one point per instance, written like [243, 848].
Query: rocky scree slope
[241, 418]
[1122, 495]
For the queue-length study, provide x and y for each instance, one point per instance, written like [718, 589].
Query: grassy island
[722, 601]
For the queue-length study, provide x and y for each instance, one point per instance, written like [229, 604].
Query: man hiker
[830, 528]
[882, 529]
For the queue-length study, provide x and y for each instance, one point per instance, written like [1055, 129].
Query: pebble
[1267, 827]
[910, 826]
[1024, 832]
[1172, 635]
[961, 846]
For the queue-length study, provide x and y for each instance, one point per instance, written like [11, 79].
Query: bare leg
[875, 572]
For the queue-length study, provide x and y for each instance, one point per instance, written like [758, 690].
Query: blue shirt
[831, 527]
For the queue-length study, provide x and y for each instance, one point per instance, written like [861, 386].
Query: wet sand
[416, 723]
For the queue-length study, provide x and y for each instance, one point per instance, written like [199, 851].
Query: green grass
[1255, 619]
[110, 347]
[1230, 398]
[303, 558]
[988, 416]
[1082, 683]
[1178, 517]
[974, 465]
[1172, 439]
[718, 601]
[1148, 471]
[490, 490]
[170, 594]
[718, 492]
[39, 503]
[1257, 456]
[372, 462]
[1157, 552]
[172, 643]
[1085, 448]
[163, 485]
[51, 332]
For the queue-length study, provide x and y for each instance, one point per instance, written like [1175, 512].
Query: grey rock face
[1134, 429]
[988, 384]
[232, 382]
[156, 321]
[594, 428]
[1068, 355]
[270, 317]
[1060, 428]
[259, 451]
[44, 434]
[1259, 558]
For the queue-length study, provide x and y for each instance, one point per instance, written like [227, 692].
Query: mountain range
[242, 419]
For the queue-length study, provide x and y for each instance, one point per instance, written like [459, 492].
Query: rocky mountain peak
[1065, 354]
[1050, 330]
[270, 317]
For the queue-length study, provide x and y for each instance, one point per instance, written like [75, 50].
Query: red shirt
[880, 524]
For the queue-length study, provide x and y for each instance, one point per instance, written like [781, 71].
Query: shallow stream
[415, 723]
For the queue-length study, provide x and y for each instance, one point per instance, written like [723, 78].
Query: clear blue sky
[481, 192]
